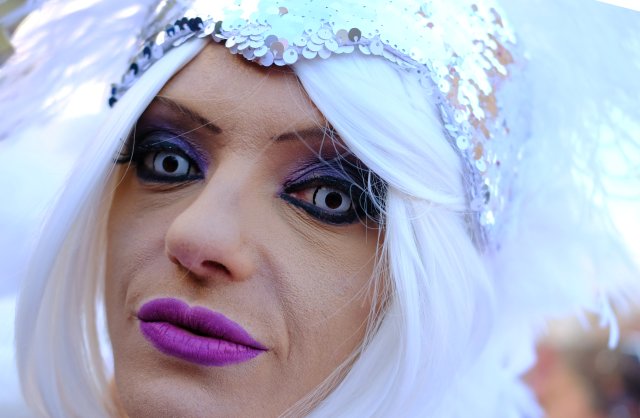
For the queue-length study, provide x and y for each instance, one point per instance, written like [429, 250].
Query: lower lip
[207, 351]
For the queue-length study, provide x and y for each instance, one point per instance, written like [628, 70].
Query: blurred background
[578, 376]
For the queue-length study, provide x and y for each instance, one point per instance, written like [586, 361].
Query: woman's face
[239, 269]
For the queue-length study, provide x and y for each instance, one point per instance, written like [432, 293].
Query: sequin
[389, 56]
[316, 39]
[208, 30]
[301, 42]
[324, 53]
[309, 54]
[364, 49]
[487, 218]
[248, 54]
[342, 36]
[217, 28]
[376, 47]
[156, 52]
[485, 193]
[267, 59]
[260, 52]
[270, 39]
[325, 34]
[444, 86]
[331, 45]
[355, 34]
[462, 142]
[314, 47]
[277, 48]
[290, 56]
[231, 42]
[160, 38]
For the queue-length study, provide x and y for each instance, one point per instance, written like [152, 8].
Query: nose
[209, 236]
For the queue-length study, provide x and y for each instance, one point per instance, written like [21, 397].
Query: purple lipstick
[196, 334]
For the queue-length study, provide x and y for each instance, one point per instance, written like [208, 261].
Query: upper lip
[198, 320]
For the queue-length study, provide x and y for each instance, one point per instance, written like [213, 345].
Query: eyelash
[145, 153]
[362, 203]
[155, 143]
[333, 184]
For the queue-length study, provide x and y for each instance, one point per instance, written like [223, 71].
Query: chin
[172, 388]
[166, 397]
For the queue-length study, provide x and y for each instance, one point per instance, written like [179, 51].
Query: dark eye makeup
[163, 157]
[333, 191]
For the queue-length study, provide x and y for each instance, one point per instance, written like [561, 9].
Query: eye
[326, 198]
[168, 164]
[161, 157]
[331, 199]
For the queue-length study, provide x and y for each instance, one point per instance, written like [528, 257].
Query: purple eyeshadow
[190, 149]
[316, 168]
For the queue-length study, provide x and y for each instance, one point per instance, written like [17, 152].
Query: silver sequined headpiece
[463, 52]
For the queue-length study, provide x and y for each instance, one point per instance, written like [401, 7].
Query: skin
[231, 243]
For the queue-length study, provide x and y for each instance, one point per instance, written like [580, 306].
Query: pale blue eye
[331, 199]
[168, 164]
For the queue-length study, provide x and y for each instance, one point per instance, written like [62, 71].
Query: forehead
[241, 96]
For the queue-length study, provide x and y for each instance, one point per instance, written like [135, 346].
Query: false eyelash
[370, 202]
[341, 185]
[161, 140]
[366, 190]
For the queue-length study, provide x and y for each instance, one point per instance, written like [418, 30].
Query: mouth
[196, 334]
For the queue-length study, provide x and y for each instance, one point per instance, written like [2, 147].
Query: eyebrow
[194, 116]
[316, 131]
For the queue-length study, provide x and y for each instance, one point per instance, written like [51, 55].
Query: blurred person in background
[578, 376]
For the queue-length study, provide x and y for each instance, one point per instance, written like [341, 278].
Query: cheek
[135, 240]
[326, 292]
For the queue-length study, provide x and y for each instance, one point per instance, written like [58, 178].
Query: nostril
[214, 265]
[207, 266]
[174, 260]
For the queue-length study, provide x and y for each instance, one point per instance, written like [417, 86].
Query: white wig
[460, 326]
